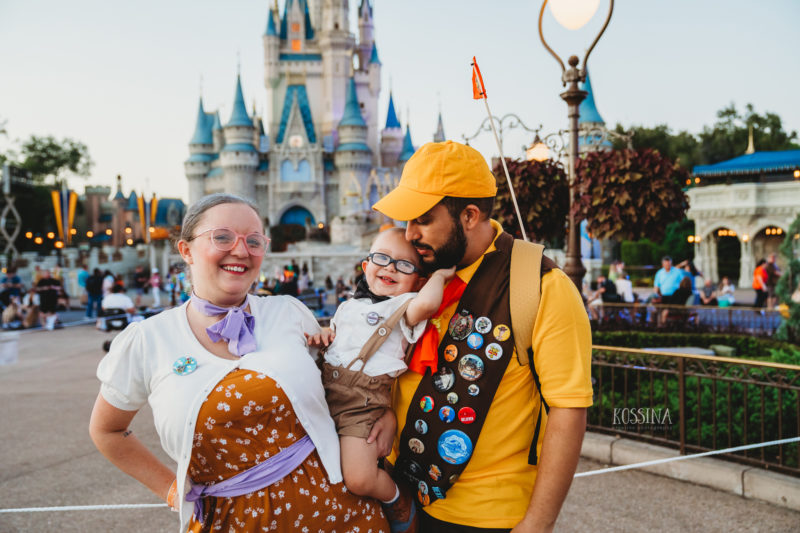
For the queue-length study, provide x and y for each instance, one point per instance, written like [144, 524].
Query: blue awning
[753, 163]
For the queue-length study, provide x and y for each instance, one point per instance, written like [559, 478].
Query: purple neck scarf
[236, 328]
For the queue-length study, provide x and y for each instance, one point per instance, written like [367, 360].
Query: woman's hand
[383, 432]
[322, 339]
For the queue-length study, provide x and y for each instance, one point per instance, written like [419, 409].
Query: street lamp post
[573, 96]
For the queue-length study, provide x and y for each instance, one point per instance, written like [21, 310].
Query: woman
[233, 390]
[726, 293]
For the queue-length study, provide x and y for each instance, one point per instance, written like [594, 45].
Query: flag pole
[479, 81]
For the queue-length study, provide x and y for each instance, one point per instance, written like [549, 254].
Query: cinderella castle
[320, 156]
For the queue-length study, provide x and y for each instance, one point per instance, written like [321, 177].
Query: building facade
[319, 155]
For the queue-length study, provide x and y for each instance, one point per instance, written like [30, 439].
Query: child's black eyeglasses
[401, 265]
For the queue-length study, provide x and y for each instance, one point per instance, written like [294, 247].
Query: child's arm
[323, 338]
[429, 298]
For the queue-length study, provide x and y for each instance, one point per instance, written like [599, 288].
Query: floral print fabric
[245, 420]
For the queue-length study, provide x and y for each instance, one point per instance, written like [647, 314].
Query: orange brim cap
[406, 204]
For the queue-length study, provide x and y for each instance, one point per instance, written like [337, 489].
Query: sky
[124, 77]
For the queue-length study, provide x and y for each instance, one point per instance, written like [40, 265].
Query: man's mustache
[417, 244]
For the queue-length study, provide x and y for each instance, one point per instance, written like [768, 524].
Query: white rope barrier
[579, 474]
[84, 508]
[684, 457]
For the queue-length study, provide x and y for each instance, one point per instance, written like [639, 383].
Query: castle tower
[272, 44]
[365, 34]
[368, 85]
[201, 150]
[590, 119]
[239, 158]
[391, 137]
[217, 133]
[408, 147]
[353, 157]
[336, 47]
[438, 135]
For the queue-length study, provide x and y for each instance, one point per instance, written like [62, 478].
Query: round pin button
[414, 468]
[447, 414]
[466, 415]
[435, 472]
[416, 445]
[421, 426]
[470, 367]
[475, 340]
[454, 446]
[184, 366]
[494, 351]
[451, 352]
[473, 390]
[444, 379]
[483, 324]
[501, 332]
[452, 479]
[460, 325]
[452, 398]
[423, 487]
[373, 318]
[426, 404]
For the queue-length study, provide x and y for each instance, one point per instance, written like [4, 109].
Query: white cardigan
[138, 370]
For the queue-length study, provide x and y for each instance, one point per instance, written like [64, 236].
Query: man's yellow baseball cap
[437, 170]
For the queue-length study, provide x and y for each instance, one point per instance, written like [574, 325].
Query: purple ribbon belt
[256, 478]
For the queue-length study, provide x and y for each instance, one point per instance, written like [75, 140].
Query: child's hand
[445, 273]
[323, 338]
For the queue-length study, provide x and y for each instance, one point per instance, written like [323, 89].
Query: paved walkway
[47, 459]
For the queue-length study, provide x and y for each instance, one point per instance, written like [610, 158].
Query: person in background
[118, 300]
[155, 287]
[30, 308]
[83, 275]
[708, 294]
[606, 292]
[667, 280]
[108, 282]
[617, 271]
[48, 289]
[94, 291]
[726, 292]
[773, 275]
[140, 279]
[11, 286]
[760, 283]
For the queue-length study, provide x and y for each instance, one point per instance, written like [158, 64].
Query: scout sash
[449, 407]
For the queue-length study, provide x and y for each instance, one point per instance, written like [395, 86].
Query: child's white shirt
[355, 322]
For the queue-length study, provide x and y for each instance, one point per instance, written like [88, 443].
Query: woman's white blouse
[138, 369]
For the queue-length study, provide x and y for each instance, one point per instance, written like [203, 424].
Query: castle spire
[588, 109]
[408, 146]
[439, 136]
[202, 129]
[751, 146]
[239, 116]
[352, 111]
[391, 116]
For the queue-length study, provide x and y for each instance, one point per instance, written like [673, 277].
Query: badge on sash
[454, 447]
[475, 340]
[460, 325]
[494, 351]
[470, 367]
[444, 379]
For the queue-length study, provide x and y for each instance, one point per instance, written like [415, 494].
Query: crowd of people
[36, 305]
[680, 284]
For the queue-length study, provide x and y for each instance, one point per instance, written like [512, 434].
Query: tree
[47, 157]
[789, 330]
[727, 138]
[541, 189]
[682, 147]
[629, 194]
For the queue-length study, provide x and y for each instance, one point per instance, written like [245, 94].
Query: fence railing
[698, 403]
[699, 318]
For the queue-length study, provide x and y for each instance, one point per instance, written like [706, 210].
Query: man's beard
[451, 252]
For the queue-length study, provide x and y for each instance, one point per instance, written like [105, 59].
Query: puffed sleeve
[412, 334]
[122, 371]
[307, 321]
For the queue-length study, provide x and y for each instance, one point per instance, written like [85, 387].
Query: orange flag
[478, 88]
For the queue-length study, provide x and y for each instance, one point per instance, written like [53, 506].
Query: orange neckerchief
[426, 353]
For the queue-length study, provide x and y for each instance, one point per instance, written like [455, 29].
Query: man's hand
[323, 338]
[383, 432]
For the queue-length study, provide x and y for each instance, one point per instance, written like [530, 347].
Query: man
[140, 279]
[446, 194]
[11, 286]
[94, 291]
[667, 279]
[606, 293]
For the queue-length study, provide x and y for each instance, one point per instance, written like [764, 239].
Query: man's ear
[185, 251]
[470, 217]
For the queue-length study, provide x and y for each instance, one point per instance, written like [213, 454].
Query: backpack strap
[526, 264]
[380, 335]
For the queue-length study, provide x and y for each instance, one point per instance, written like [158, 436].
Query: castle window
[295, 27]
[296, 45]
[289, 173]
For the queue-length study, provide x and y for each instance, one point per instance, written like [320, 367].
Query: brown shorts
[355, 399]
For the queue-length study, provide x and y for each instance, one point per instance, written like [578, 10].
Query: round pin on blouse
[184, 366]
[373, 318]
